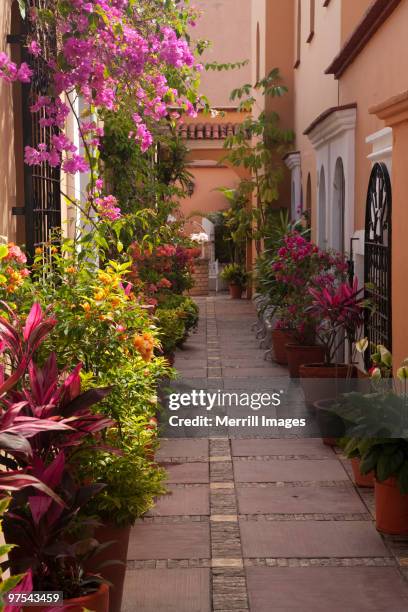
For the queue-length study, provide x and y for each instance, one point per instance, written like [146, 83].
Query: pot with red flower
[339, 309]
[298, 266]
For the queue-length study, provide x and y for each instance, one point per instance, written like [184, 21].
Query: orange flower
[71, 269]
[144, 344]
[86, 306]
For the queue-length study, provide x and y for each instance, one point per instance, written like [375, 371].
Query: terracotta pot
[361, 480]
[235, 291]
[331, 425]
[280, 338]
[117, 551]
[97, 602]
[391, 508]
[299, 354]
[308, 373]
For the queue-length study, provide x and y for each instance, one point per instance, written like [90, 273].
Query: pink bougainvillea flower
[107, 208]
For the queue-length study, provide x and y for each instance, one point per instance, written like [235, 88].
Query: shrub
[235, 275]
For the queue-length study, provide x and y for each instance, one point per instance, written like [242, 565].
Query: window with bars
[42, 196]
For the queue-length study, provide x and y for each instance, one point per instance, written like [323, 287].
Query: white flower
[200, 238]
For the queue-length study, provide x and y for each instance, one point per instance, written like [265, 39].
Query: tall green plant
[257, 146]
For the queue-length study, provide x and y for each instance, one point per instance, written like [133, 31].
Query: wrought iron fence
[377, 258]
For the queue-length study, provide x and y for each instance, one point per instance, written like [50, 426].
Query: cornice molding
[292, 160]
[394, 110]
[374, 17]
[332, 123]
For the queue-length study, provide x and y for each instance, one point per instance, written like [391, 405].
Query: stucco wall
[377, 73]
[279, 53]
[314, 90]
[206, 197]
[351, 13]
[227, 24]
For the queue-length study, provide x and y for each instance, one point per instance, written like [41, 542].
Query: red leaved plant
[43, 418]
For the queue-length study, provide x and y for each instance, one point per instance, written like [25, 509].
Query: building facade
[348, 163]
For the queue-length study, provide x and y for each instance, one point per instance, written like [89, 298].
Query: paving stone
[319, 589]
[310, 447]
[250, 372]
[187, 473]
[174, 541]
[311, 539]
[183, 501]
[299, 500]
[288, 470]
[158, 590]
[185, 447]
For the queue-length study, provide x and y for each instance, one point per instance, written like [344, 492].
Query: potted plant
[299, 265]
[379, 437]
[236, 277]
[339, 310]
[379, 376]
[44, 418]
[43, 531]
[132, 481]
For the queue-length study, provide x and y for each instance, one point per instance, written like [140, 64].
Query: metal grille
[42, 206]
[377, 259]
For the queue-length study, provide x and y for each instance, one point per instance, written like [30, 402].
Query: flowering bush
[13, 270]
[299, 265]
[113, 54]
[165, 269]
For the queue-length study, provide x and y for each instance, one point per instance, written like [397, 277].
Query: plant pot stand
[312, 372]
[280, 338]
[298, 355]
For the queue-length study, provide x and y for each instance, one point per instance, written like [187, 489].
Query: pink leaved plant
[340, 310]
[41, 411]
[44, 417]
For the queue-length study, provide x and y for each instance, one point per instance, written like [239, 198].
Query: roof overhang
[374, 17]
[333, 122]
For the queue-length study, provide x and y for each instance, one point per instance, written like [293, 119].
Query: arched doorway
[338, 207]
[322, 239]
[377, 258]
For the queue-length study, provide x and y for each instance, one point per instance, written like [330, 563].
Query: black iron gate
[377, 258]
[42, 196]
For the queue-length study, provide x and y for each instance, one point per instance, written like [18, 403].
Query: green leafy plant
[235, 275]
[131, 480]
[257, 146]
[183, 303]
[172, 329]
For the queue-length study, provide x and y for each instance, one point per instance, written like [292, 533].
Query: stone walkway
[257, 524]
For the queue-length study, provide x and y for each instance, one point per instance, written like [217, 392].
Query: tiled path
[260, 525]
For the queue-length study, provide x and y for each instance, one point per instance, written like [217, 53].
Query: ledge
[393, 110]
[332, 123]
[325, 114]
[374, 17]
